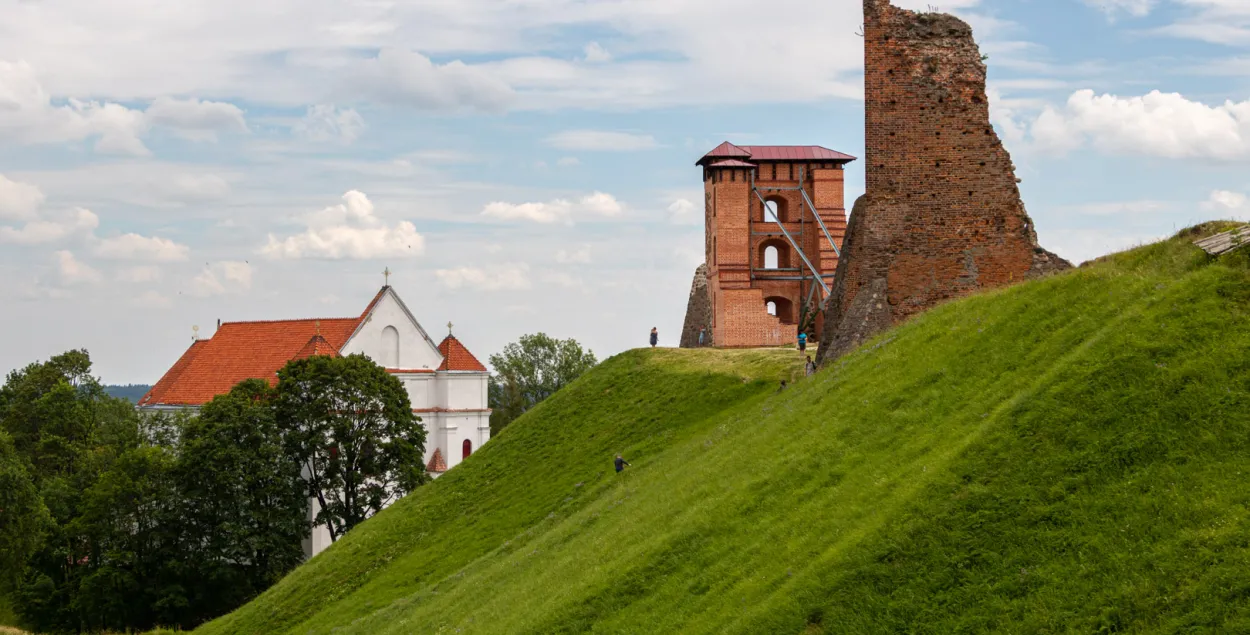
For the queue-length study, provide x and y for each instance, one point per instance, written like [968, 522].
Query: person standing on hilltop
[803, 342]
[620, 464]
[701, 331]
[655, 337]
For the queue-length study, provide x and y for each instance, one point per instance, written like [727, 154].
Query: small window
[770, 257]
[468, 449]
[770, 211]
[772, 308]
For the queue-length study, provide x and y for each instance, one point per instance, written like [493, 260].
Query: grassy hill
[1065, 455]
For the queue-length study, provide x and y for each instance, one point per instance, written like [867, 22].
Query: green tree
[349, 426]
[23, 517]
[67, 432]
[530, 370]
[243, 500]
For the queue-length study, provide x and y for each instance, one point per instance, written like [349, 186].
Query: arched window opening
[770, 257]
[468, 449]
[773, 254]
[783, 308]
[390, 347]
[771, 212]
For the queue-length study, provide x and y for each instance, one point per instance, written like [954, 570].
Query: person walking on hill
[802, 342]
[655, 337]
[701, 330]
[810, 367]
[620, 464]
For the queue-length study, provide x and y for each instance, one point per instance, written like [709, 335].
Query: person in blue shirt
[655, 337]
[802, 342]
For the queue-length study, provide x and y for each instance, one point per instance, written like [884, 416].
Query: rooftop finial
[449, 325]
[387, 276]
[195, 332]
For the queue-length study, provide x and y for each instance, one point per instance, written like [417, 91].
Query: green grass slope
[1068, 455]
[549, 464]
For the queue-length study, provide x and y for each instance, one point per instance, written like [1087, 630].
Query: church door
[468, 448]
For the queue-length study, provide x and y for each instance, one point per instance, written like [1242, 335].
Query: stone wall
[698, 312]
[942, 216]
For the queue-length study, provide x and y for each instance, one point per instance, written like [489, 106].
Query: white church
[445, 382]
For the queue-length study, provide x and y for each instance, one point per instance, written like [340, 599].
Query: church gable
[390, 336]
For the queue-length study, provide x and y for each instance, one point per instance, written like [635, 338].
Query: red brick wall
[736, 230]
[942, 215]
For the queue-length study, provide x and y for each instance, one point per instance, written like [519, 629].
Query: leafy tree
[349, 426]
[243, 500]
[23, 516]
[530, 370]
[67, 432]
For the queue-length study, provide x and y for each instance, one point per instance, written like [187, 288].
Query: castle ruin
[942, 216]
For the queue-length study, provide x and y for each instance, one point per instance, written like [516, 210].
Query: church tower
[774, 218]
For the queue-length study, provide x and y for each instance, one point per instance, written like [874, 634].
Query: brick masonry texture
[942, 216]
[738, 236]
[698, 312]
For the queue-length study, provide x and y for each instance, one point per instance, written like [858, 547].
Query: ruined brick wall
[942, 215]
[698, 312]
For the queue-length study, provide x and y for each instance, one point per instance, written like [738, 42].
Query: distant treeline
[129, 392]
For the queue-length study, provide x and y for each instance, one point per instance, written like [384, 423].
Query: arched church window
[390, 347]
[770, 257]
[772, 308]
[468, 449]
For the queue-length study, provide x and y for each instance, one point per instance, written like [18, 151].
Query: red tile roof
[258, 350]
[774, 153]
[457, 357]
[317, 346]
[245, 350]
[437, 464]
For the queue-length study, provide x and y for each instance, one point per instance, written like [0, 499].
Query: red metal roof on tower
[732, 163]
[728, 150]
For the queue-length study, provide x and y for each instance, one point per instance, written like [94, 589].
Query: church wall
[421, 389]
[463, 391]
[415, 352]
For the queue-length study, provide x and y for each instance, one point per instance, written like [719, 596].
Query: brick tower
[775, 218]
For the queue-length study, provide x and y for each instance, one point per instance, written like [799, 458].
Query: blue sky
[522, 165]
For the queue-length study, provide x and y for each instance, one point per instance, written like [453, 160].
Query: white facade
[452, 404]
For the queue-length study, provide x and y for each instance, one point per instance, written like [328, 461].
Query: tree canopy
[530, 370]
[349, 425]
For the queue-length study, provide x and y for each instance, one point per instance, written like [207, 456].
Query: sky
[523, 165]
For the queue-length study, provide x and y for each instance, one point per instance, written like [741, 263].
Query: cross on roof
[449, 325]
[387, 275]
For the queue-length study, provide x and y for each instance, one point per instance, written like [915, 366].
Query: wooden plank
[1225, 241]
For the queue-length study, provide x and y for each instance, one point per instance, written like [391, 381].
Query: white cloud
[194, 119]
[601, 141]
[580, 256]
[327, 122]
[596, 54]
[562, 210]
[568, 162]
[77, 221]
[1157, 124]
[409, 78]
[220, 278]
[74, 271]
[18, 201]
[1226, 204]
[502, 277]
[1135, 8]
[349, 230]
[151, 299]
[136, 275]
[136, 247]
[565, 280]
[30, 117]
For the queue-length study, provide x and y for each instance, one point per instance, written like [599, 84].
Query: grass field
[1065, 455]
